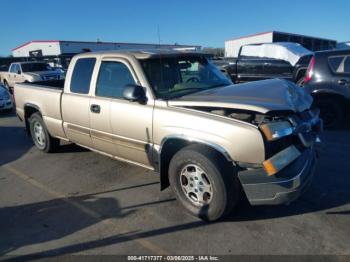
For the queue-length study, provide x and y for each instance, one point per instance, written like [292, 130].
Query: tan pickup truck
[27, 72]
[176, 113]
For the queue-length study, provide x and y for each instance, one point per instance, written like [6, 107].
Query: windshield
[34, 67]
[173, 77]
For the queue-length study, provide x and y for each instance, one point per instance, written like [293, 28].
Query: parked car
[328, 81]
[265, 61]
[5, 99]
[27, 72]
[177, 114]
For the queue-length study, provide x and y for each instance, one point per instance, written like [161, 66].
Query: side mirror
[135, 93]
[18, 72]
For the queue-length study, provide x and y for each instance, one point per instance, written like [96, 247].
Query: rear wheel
[205, 184]
[41, 137]
[331, 112]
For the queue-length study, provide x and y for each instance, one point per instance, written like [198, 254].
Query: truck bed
[46, 96]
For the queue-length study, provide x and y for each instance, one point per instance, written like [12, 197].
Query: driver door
[124, 124]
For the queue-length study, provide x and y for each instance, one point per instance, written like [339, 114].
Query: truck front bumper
[283, 187]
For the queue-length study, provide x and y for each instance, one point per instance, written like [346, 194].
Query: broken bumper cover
[282, 188]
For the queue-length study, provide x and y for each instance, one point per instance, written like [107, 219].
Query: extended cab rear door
[76, 101]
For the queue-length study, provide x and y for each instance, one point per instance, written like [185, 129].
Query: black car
[328, 80]
[264, 61]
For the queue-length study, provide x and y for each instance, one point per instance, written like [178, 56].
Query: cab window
[81, 77]
[113, 78]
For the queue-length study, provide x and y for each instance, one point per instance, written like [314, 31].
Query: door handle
[342, 82]
[95, 109]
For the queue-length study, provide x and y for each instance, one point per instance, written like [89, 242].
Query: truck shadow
[44, 221]
[14, 143]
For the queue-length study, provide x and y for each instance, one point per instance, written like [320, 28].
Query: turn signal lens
[281, 160]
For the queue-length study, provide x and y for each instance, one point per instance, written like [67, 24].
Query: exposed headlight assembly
[276, 130]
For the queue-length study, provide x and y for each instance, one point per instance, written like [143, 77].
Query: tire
[214, 172]
[331, 112]
[41, 137]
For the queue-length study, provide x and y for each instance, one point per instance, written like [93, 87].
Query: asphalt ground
[79, 202]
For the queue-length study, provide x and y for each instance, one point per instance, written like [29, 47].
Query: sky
[201, 22]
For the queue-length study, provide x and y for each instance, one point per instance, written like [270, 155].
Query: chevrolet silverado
[175, 113]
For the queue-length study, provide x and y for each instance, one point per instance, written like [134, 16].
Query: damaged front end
[291, 143]
[290, 140]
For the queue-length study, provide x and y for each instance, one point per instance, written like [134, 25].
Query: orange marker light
[269, 168]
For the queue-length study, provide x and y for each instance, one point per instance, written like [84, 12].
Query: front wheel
[204, 183]
[41, 137]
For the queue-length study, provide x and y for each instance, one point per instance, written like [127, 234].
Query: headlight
[276, 130]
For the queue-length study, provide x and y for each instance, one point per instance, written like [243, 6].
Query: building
[38, 48]
[233, 46]
[343, 45]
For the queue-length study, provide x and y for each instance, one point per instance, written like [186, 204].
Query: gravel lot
[77, 201]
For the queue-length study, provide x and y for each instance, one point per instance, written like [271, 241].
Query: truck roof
[142, 53]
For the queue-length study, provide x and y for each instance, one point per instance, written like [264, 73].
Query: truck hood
[260, 96]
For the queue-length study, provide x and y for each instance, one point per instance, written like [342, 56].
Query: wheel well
[28, 111]
[170, 148]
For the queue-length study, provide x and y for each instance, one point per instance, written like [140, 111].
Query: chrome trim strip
[119, 140]
[78, 129]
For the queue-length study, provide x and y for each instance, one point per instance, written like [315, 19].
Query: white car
[5, 99]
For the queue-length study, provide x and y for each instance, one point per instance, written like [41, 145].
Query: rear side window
[81, 77]
[112, 79]
[335, 63]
